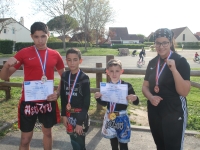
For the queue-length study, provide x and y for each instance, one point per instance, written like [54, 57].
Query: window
[183, 37]
[4, 31]
[13, 30]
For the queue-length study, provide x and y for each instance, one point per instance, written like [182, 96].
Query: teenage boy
[75, 99]
[116, 124]
[38, 62]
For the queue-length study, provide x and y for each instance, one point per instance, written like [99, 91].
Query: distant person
[39, 63]
[166, 85]
[142, 54]
[196, 56]
[75, 99]
[116, 124]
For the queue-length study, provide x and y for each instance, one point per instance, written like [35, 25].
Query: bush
[20, 45]
[188, 45]
[130, 46]
[6, 47]
[148, 43]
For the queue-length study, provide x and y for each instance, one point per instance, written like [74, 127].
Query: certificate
[114, 92]
[37, 90]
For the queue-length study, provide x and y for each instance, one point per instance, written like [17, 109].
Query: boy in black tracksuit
[75, 100]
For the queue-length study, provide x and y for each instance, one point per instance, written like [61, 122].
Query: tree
[56, 24]
[6, 10]
[55, 8]
[141, 35]
[92, 15]
[101, 15]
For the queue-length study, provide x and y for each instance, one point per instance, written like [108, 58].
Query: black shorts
[47, 113]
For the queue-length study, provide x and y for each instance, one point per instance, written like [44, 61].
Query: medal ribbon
[113, 104]
[158, 70]
[72, 89]
[45, 60]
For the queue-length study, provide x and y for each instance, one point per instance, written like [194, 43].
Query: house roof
[119, 33]
[198, 33]
[133, 37]
[178, 31]
[198, 37]
[4, 19]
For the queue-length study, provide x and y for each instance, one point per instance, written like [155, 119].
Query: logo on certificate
[103, 84]
[27, 83]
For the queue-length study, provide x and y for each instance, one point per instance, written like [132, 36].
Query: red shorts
[47, 113]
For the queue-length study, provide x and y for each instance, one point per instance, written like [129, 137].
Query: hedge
[130, 46]
[53, 45]
[6, 47]
[20, 45]
[188, 45]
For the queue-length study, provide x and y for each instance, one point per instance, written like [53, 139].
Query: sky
[139, 16]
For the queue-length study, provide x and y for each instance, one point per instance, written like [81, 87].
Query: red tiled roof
[119, 33]
[198, 33]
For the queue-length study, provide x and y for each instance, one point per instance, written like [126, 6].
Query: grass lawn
[91, 51]
[8, 109]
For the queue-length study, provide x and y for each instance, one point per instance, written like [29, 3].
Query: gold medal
[156, 89]
[68, 106]
[112, 116]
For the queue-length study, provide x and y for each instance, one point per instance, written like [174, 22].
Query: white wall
[21, 33]
[130, 41]
[189, 37]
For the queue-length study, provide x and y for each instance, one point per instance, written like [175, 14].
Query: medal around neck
[112, 116]
[44, 78]
[156, 89]
[68, 106]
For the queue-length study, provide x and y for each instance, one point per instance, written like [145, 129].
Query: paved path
[140, 140]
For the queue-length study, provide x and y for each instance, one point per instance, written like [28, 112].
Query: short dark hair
[74, 51]
[39, 26]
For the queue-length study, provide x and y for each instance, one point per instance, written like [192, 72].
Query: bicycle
[140, 63]
[197, 59]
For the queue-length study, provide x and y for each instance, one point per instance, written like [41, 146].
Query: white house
[13, 30]
[184, 35]
[120, 35]
[181, 35]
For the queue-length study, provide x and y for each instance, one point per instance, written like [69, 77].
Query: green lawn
[92, 51]
[8, 109]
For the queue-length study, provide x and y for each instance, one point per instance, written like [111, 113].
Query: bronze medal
[156, 89]
[112, 116]
[68, 106]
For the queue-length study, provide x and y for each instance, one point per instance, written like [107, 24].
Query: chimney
[21, 21]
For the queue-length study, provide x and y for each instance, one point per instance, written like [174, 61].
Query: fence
[99, 71]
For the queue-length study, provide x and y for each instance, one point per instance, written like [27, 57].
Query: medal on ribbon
[43, 66]
[68, 107]
[159, 72]
[112, 115]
